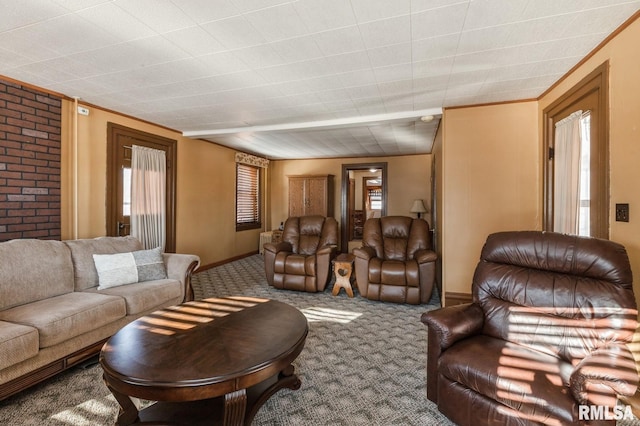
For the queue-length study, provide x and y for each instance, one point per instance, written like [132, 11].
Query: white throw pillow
[128, 268]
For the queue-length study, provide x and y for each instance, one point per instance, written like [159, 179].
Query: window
[591, 97]
[247, 197]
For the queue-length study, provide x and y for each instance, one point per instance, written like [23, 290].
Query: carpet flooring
[363, 364]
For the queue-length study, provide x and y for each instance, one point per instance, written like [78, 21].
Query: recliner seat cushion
[533, 383]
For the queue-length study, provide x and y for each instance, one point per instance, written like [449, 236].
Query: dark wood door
[120, 139]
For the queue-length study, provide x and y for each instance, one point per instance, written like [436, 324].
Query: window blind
[247, 197]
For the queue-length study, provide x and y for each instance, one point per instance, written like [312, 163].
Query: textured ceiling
[304, 78]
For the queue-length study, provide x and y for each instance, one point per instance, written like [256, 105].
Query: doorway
[364, 194]
[588, 102]
[119, 142]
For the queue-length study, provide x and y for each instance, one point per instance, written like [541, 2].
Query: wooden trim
[34, 377]
[515, 101]
[225, 261]
[452, 298]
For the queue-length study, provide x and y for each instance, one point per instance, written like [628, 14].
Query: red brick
[21, 213]
[21, 123]
[21, 227]
[6, 236]
[10, 129]
[20, 139]
[21, 168]
[21, 108]
[20, 182]
[49, 101]
[35, 234]
[21, 93]
[21, 153]
[33, 118]
[10, 220]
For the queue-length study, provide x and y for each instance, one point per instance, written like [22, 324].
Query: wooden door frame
[170, 146]
[344, 214]
[596, 82]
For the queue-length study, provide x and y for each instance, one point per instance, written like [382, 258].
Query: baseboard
[222, 262]
[452, 298]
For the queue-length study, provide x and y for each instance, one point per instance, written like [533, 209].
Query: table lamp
[418, 207]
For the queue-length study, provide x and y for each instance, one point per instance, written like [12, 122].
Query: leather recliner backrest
[557, 293]
[307, 234]
[396, 237]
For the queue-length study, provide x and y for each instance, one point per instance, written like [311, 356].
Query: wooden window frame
[257, 222]
[596, 84]
[116, 135]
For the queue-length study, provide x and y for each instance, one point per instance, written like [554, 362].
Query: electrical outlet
[83, 111]
[622, 212]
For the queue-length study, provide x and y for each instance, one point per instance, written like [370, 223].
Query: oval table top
[215, 345]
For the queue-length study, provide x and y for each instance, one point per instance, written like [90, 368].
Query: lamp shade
[418, 207]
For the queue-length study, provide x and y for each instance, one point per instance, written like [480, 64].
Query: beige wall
[205, 188]
[408, 179]
[624, 137]
[490, 182]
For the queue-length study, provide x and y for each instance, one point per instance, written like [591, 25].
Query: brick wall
[29, 163]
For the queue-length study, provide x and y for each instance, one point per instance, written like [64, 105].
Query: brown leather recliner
[544, 339]
[396, 262]
[302, 261]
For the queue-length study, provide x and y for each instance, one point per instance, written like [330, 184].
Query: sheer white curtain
[148, 196]
[566, 191]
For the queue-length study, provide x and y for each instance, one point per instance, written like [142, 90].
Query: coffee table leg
[286, 379]
[128, 414]
[235, 406]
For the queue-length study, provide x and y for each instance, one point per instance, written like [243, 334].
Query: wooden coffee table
[213, 361]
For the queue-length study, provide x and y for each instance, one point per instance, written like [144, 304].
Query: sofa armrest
[181, 267]
[445, 327]
[603, 375]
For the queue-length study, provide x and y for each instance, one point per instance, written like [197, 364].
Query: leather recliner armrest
[326, 249]
[278, 247]
[365, 253]
[603, 375]
[447, 326]
[454, 323]
[425, 256]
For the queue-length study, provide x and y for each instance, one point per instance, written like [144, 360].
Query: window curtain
[566, 191]
[148, 196]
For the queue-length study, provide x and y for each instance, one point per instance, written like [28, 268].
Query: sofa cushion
[62, 317]
[17, 343]
[82, 252]
[32, 270]
[131, 267]
[149, 295]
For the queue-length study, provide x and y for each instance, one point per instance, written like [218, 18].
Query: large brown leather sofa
[396, 262]
[545, 336]
[302, 260]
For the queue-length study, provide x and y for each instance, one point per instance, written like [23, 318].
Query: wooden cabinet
[311, 194]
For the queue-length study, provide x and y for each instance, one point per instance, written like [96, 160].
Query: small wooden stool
[342, 267]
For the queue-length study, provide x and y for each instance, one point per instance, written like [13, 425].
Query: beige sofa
[53, 314]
